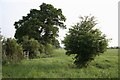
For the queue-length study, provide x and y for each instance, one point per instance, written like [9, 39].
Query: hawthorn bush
[85, 41]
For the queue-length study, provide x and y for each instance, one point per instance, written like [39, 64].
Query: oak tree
[42, 25]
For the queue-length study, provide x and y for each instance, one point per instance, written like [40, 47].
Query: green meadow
[59, 65]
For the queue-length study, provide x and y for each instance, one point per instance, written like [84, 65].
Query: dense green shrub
[32, 45]
[49, 49]
[85, 41]
[35, 48]
[12, 52]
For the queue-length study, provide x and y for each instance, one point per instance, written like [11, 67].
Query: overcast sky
[105, 11]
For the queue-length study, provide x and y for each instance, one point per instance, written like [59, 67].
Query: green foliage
[31, 45]
[56, 43]
[12, 52]
[85, 41]
[49, 49]
[42, 25]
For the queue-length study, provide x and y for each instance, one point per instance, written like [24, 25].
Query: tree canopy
[42, 25]
[85, 41]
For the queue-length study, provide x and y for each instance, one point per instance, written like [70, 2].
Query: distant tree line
[115, 47]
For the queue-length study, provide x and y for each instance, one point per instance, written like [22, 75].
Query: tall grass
[61, 66]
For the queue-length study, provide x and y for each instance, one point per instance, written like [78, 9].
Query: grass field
[61, 66]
